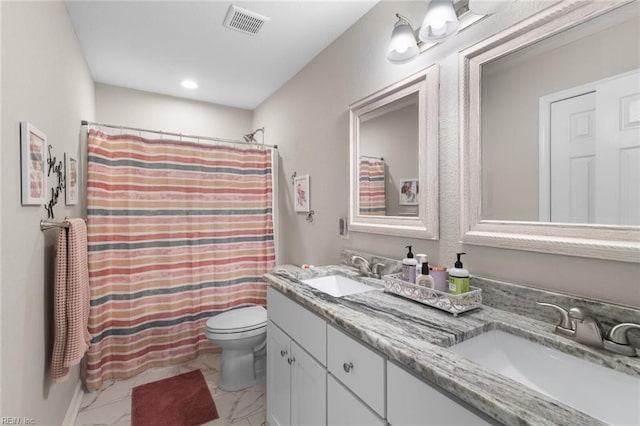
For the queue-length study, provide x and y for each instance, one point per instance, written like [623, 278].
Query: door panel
[309, 389]
[573, 140]
[278, 377]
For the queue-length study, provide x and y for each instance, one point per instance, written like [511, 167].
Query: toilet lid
[237, 320]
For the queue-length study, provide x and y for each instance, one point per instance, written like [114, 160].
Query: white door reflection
[593, 155]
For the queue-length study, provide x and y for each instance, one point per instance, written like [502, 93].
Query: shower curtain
[372, 194]
[177, 232]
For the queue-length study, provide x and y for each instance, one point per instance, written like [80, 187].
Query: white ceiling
[154, 45]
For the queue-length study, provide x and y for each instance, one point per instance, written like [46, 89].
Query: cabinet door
[410, 401]
[308, 389]
[343, 408]
[278, 377]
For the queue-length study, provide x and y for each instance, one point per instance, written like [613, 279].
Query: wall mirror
[550, 133]
[394, 159]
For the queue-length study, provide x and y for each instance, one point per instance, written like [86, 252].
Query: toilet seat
[242, 322]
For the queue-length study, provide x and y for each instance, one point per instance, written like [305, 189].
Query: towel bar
[50, 224]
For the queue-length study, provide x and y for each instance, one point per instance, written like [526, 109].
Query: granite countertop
[417, 337]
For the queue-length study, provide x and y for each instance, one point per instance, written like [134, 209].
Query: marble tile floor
[112, 404]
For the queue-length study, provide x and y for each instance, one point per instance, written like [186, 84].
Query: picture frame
[301, 194]
[71, 173]
[33, 167]
[409, 190]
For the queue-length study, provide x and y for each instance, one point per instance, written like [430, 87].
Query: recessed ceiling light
[189, 84]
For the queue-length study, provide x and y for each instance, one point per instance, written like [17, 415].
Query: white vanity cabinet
[319, 375]
[296, 380]
[411, 401]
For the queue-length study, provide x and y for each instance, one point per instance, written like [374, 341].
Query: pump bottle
[424, 279]
[409, 267]
[458, 277]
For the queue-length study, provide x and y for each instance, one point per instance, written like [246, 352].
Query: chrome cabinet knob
[291, 360]
[347, 367]
[283, 353]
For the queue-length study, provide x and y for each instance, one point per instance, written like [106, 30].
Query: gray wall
[511, 89]
[308, 119]
[46, 82]
[135, 108]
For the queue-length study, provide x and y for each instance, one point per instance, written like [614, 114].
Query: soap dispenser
[409, 267]
[424, 279]
[458, 277]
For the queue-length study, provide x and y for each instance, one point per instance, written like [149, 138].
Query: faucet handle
[375, 270]
[616, 340]
[566, 327]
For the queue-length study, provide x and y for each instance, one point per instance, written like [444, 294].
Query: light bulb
[439, 22]
[403, 46]
[189, 84]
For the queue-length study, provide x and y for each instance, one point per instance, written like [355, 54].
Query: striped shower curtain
[372, 195]
[177, 232]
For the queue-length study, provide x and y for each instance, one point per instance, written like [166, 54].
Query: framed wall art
[301, 194]
[409, 192]
[71, 172]
[33, 167]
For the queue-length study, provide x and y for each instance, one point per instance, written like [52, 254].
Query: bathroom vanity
[375, 358]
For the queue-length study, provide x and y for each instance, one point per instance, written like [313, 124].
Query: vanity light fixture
[403, 46]
[189, 84]
[443, 19]
[440, 21]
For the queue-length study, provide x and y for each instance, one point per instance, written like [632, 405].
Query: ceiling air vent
[244, 20]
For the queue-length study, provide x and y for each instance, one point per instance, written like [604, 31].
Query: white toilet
[242, 335]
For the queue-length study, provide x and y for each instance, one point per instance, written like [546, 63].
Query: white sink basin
[600, 392]
[337, 285]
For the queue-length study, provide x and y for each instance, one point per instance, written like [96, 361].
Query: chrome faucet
[588, 329]
[365, 266]
[581, 326]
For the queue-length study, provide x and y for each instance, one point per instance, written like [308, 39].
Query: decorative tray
[452, 303]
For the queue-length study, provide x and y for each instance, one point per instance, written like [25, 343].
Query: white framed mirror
[394, 159]
[550, 133]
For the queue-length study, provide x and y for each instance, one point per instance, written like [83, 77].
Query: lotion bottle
[458, 277]
[421, 258]
[424, 279]
[409, 267]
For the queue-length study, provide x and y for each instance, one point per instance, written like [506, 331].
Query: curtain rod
[181, 135]
[372, 157]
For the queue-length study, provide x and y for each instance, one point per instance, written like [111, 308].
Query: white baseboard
[74, 406]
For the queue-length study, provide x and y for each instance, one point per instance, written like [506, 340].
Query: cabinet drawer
[358, 367]
[306, 328]
[410, 401]
[345, 409]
